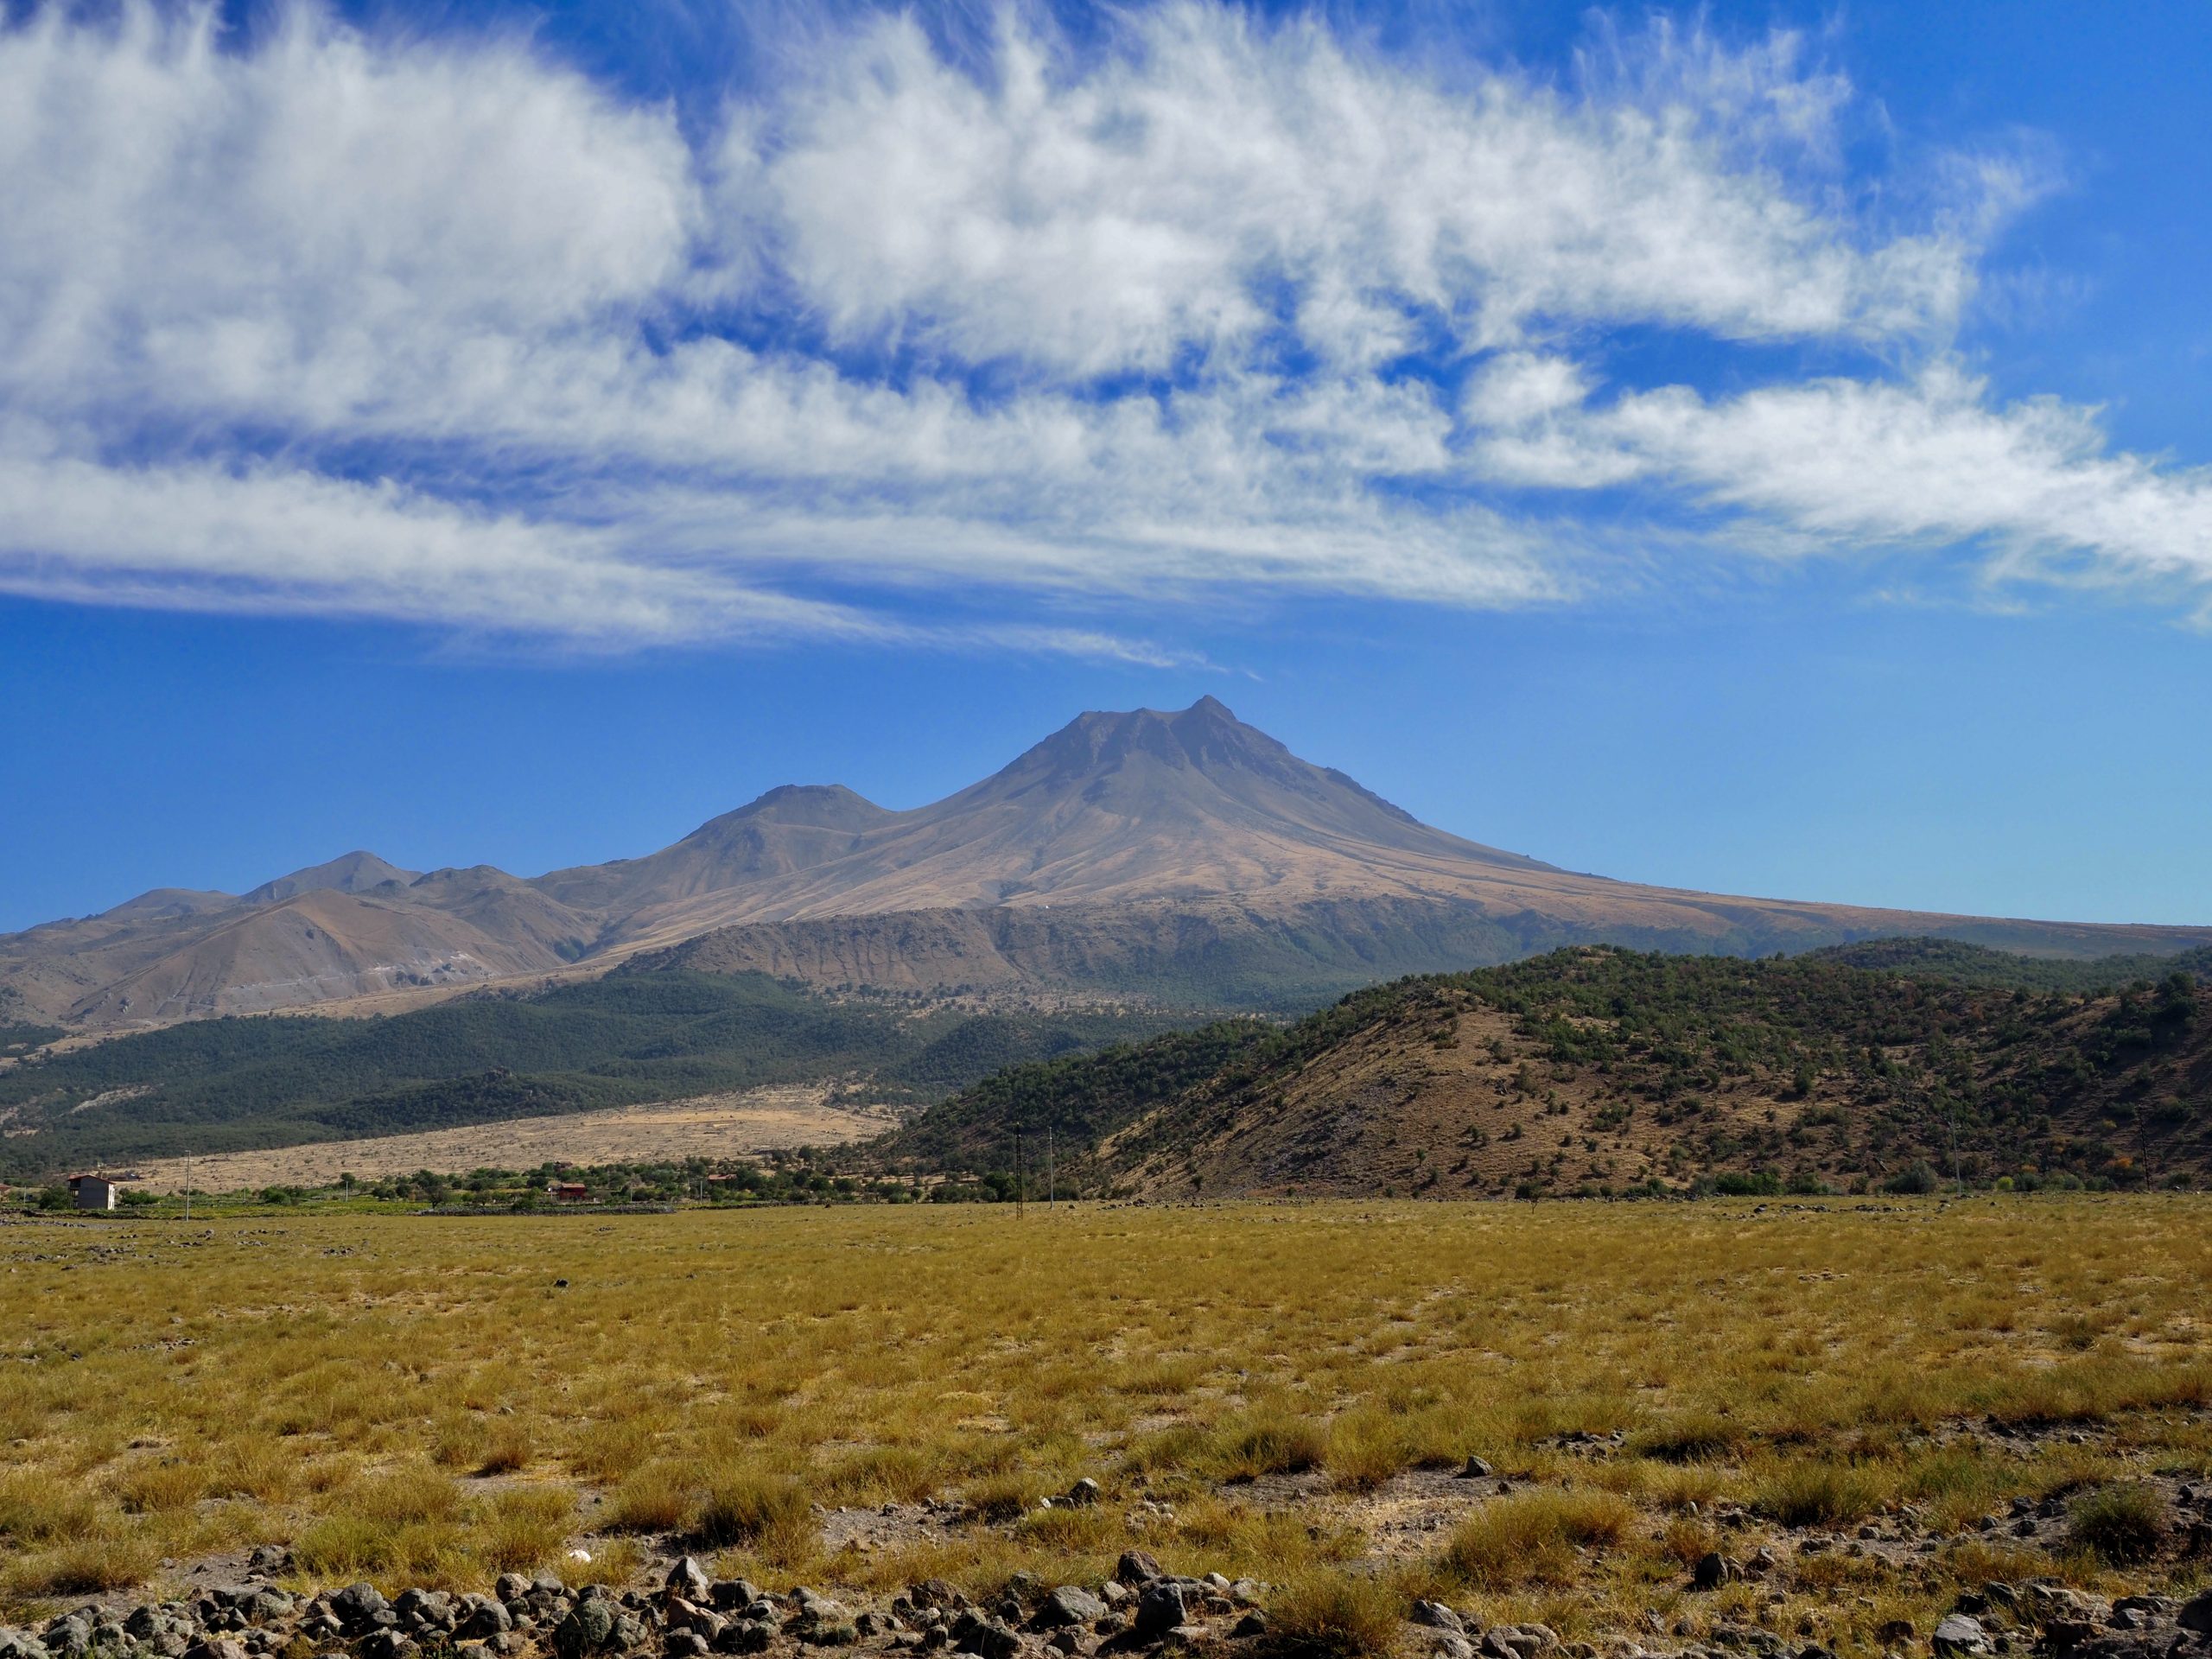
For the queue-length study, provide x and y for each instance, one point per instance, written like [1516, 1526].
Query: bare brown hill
[1167, 852]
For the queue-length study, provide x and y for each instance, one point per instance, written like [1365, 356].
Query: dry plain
[1894, 1400]
[709, 1126]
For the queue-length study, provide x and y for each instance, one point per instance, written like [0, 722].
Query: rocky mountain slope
[1599, 1070]
[1187, 854]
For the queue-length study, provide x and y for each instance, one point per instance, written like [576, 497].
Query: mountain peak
[814, 806]
[354, 872]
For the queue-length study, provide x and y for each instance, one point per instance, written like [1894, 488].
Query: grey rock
[1519, 1641]
[629, 1632]
[480, 1617]
[745, 1636]
[1446, 1645]
[1070, 1603]
[1160, 1609]
[1084, 1493]
[1475, 1469]
[1712, 1570]
[589, 1628]
[386, 1644]
[358, 1607]
[2196, 1614]
[1255, 1624]
[686, 1644]
[472, 1650]
[985, 1638]
[511, 1588]
[68, 1636]
[1959, 1633]
[20, 1644]
[220, 1647]
[1437, 1617]
[429, 1609]
[1137, 1567]
[689, 1579]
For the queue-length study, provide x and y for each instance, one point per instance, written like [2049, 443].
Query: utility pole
[188, 1184]
[1018, 1211]
[1052, 1196]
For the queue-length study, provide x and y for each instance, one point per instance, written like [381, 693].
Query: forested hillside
[1596, 1071]
[228, 1084]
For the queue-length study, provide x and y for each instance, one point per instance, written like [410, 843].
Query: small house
[94, 1191]
[568, 1191]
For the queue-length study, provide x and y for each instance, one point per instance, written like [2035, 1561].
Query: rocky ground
[1141, 1610]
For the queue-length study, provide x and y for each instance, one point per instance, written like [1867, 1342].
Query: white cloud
[431, 330]
[1930, 460]
[1107, 221]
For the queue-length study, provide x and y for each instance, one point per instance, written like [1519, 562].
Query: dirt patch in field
[713, 1126]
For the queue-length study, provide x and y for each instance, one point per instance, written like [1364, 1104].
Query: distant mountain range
[1187, 854]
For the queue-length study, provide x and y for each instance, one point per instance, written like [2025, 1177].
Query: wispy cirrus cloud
[442, 330]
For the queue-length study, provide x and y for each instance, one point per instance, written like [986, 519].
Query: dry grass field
[864, 1396]
[711, 1126]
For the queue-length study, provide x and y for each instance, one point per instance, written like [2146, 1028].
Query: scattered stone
[1137, 1567]
[479, 1617]
[588, 1627]
[1437, 1617]
[1712, 1570]
[1519, 1641]
[1084, 1493]
[1160, 1609]
[1475, 1469]
[689, 1579]
[1070, 1604]
[358, 1607]
[745, 1636]
[424, 1610]
[1959, 1633]
[1255, 1623]
[985, 1638]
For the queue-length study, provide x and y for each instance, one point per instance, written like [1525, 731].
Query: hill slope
[1181, 853]
[1597, 1069]
[217, 1085]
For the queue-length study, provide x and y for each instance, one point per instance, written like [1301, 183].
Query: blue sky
[1762, 449]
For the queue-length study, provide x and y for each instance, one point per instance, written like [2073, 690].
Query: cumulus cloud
[441, 329]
